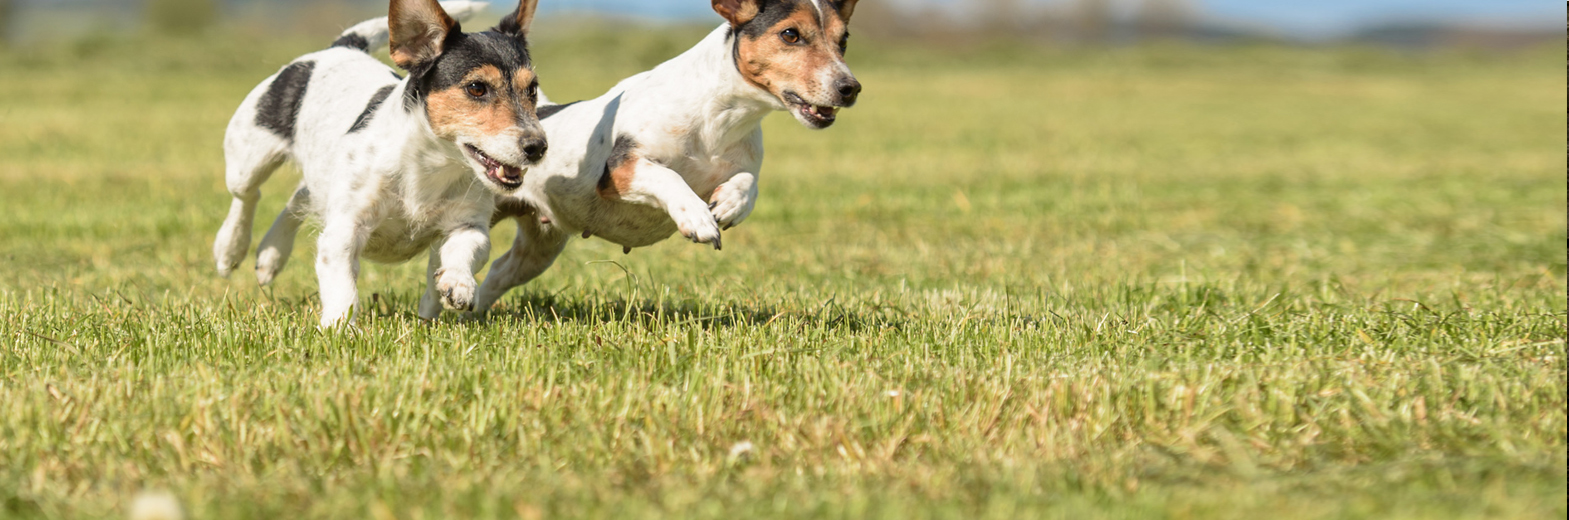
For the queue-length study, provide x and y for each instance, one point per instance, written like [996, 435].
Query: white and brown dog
[678, 148]
[392, 166]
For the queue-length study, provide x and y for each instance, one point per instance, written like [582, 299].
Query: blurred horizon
[1498, 23]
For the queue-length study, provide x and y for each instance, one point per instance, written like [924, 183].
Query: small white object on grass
[741, 449]
[156, 505]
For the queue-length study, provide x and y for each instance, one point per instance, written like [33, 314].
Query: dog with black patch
[678, 149]
[393, 166]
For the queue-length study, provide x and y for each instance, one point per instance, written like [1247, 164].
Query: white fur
[386, 193]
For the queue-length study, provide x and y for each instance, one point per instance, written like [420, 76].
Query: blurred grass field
[1142, 282]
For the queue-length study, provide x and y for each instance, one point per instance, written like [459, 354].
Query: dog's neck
[428, 165]
[703, 91]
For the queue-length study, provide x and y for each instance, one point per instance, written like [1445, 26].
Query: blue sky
[1327, 17]
[1303, 18]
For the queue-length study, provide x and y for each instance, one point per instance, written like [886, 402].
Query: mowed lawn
[1138, 282]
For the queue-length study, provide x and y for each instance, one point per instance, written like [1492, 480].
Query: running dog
[677, 148]
[389, 180]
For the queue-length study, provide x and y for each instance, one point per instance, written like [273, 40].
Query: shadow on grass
[531, 307]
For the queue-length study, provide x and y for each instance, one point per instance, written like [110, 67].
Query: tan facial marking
[777, 66]
[455, 112]
[522, 79]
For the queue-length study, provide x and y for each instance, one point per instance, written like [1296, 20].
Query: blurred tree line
[7, 20]
[1063, 20]
[181, 17]
[1082, 21]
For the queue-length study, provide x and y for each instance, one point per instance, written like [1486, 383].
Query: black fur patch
[550, 110]
[352, 41]
[771, 14]
[622, 152]
[279, 108]
[370, 108]
[464, 52]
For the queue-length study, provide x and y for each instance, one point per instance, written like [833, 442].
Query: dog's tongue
[504, 173]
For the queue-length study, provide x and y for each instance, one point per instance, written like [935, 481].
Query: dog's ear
[418, 30]
[846, 8]
[516, 24]
[738, 12]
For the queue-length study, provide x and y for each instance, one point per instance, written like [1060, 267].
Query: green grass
[1012, 283]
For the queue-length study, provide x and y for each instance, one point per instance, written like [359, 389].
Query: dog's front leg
[733, 201]
[338, 269]
[644, 182]
[451, 270]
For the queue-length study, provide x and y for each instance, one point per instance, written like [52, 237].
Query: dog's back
[299, 110]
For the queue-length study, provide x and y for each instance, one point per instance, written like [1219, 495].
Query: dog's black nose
[535, 149]
[849, 88]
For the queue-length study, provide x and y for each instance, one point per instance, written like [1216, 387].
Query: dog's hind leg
[533, 251]
[273, 251]
[252, 155]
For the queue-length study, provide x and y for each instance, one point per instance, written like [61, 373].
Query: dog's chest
[412, 229]
[704, 167]
[398, 240]
[638, 225]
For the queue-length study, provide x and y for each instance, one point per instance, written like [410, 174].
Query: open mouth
[821, 115]
[504, 175]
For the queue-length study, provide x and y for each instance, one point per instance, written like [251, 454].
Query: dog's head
[478, 90]
[794, 49]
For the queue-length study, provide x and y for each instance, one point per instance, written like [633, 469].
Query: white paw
[229, 251]
[456, 289]
[698, 226]
[269, 262]
[337, 318]
[732, 202]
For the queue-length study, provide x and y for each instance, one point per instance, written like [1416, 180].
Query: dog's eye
[844, 44]
[477, 89]
[533, 92]
[790, 36]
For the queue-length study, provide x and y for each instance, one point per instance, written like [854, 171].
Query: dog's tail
[371, 34]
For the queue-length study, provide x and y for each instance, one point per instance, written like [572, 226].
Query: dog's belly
[630, 225]
[394, 241]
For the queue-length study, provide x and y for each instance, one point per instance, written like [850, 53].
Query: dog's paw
[733, 201]
[698, 226]
[456, 289]
[269, 262]
[227, 255]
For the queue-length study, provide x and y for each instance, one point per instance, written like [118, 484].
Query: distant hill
[1417, 34]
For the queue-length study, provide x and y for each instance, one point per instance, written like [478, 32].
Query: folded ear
[516, 24]
[846, 8]
[418, 29]
[738, 12]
